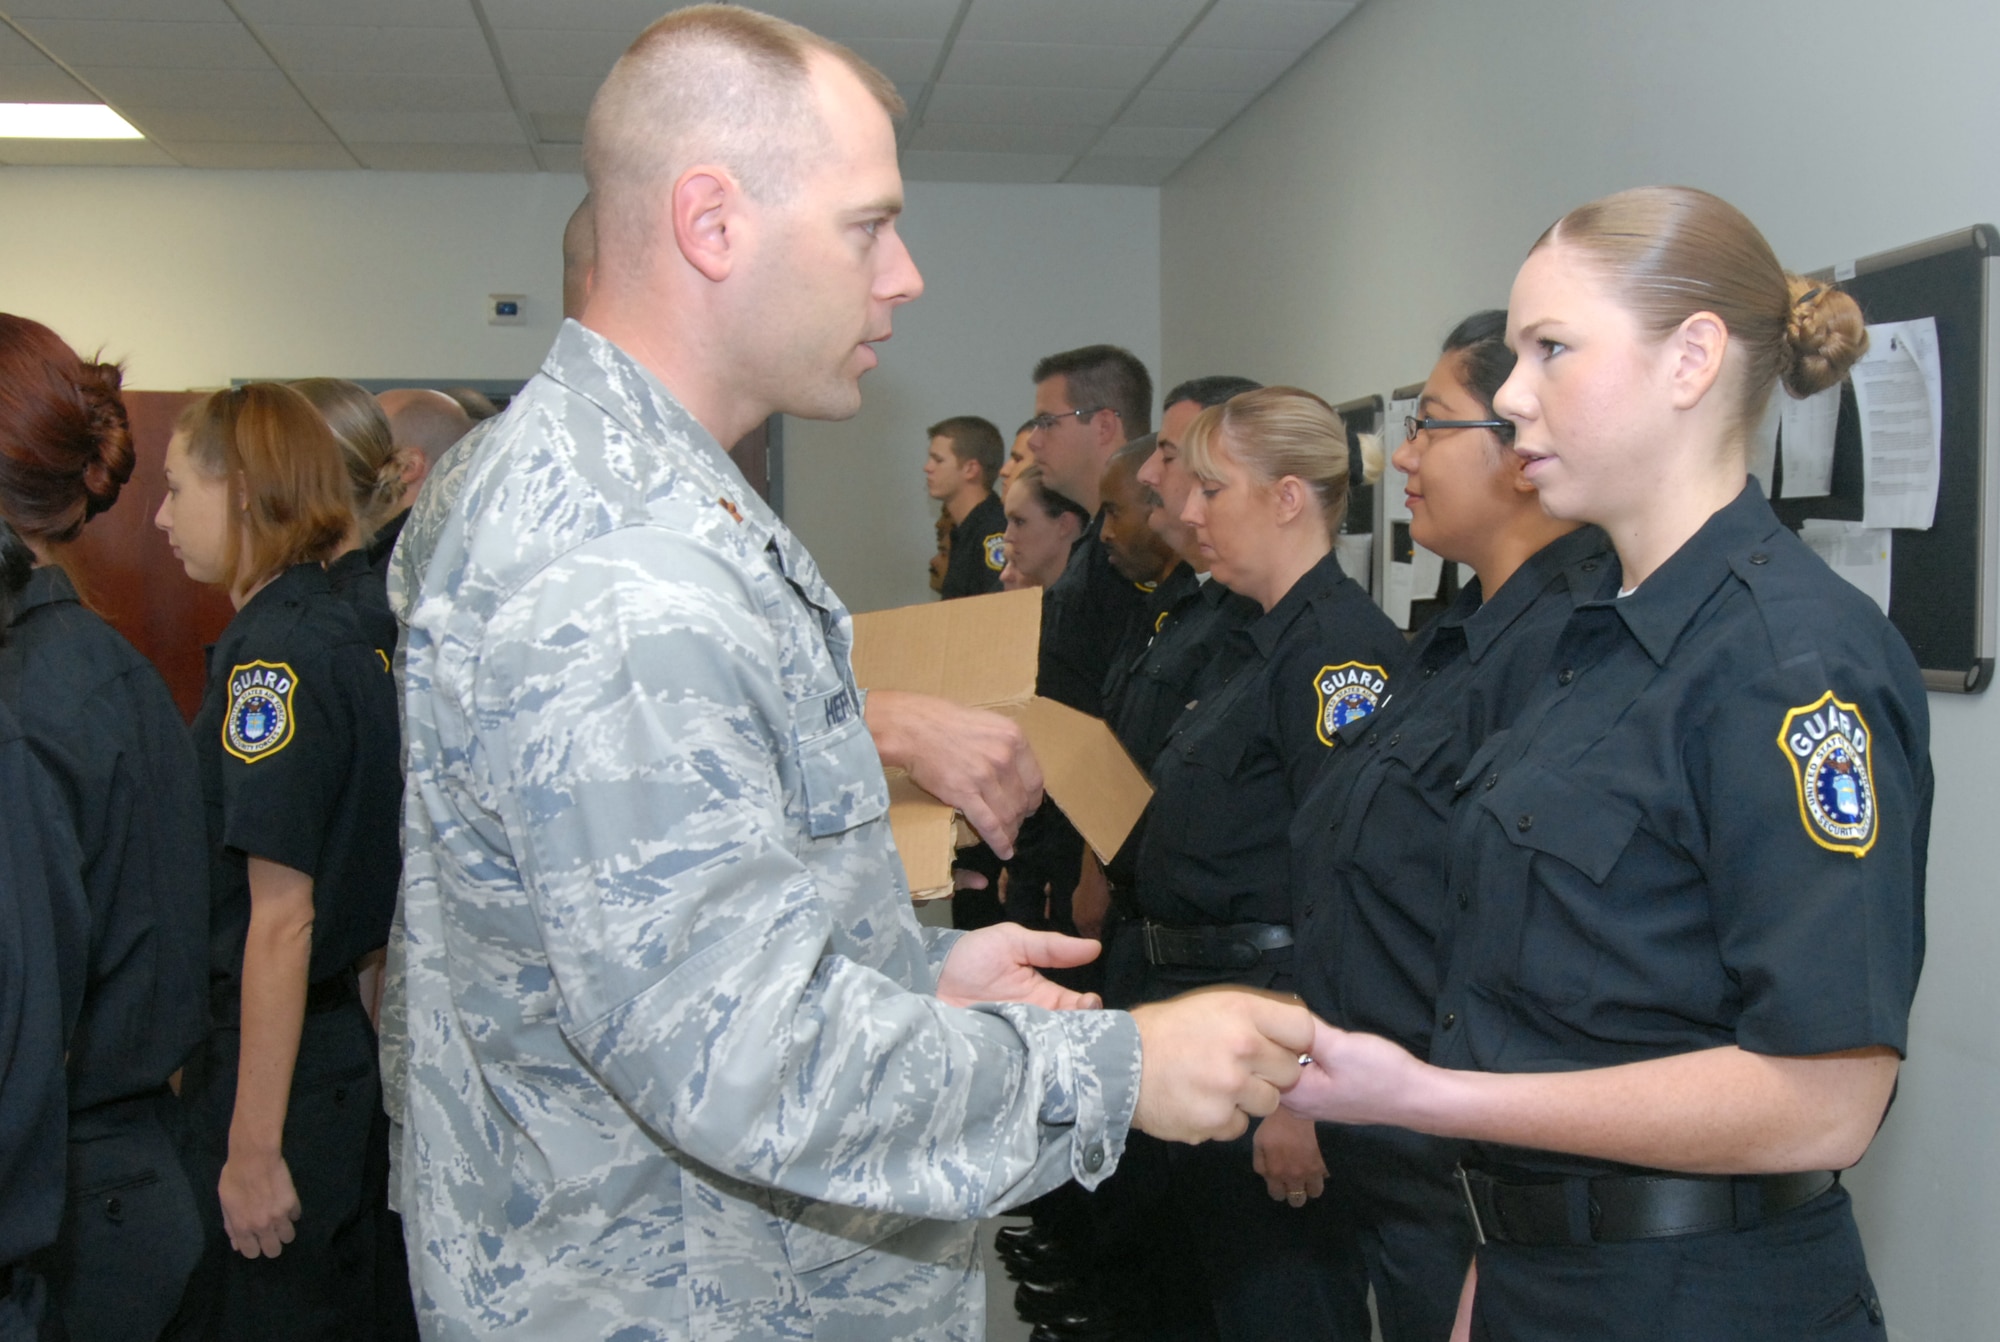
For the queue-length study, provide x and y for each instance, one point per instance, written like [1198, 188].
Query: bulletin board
[1361, 416]
[1399, 567]
[1942, 580]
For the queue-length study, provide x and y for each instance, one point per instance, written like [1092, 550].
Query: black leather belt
[1619, 1208]
[1235, 946]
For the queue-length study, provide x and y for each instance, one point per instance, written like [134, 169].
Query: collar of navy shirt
[1319, 583]
[1732, 541]
[1571, 555]
[47, 585]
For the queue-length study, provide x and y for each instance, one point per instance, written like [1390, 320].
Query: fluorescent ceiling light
[63, 121]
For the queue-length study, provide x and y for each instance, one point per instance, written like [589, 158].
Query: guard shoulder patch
[996, 551]
[1826, 744]
[259, 722]
[1347, 693]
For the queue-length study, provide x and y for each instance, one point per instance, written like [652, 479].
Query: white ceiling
[1119, 91]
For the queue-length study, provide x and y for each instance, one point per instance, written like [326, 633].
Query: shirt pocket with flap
[840, 773]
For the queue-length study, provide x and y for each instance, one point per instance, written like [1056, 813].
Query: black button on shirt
[301, 765]
[1236, 765]
[1086, 614]
[976, 556]
[44, 935]
[1368, 843]
[1730, 811]
[103, 725]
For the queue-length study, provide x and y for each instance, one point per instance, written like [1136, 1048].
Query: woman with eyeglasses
[1684, 920]
[300, 770]
[1368, 841]
[1213, 877]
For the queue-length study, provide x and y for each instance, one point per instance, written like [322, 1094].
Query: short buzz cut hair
[973, 439]
[1104, 377]
[710, 83]
[1208, 391]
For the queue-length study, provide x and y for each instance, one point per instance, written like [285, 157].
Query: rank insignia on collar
[1826, 744]
[730, 508]
[259, 721]
[1347, 693]
[996, 551]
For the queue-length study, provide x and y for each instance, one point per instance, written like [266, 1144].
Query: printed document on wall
[1900, 392]
[1764, 442]
[1855, 552]
[1806, 440]
[1394, 509]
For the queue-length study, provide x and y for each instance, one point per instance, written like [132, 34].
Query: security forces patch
[1826, 744]
[259, 722]
[996, 551]
[1347, 692]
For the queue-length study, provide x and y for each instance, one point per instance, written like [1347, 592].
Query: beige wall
[1392, 182]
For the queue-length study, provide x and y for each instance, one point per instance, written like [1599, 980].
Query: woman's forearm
[275, 960]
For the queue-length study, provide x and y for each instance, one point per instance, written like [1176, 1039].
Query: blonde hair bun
[1824, 336]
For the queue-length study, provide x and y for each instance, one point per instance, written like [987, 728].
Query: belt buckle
[1471, 1204]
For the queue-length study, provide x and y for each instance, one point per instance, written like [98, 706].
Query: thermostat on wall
[506, 310]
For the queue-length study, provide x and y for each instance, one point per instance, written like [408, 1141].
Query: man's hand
[1213, 1056]
[976, 761]
[1358, 1078]
[998, 963]
[1286, 1152]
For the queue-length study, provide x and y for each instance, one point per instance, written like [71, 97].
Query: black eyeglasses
[1416, 424]
[1046, 421]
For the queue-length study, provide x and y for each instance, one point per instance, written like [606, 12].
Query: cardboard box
[981, 651]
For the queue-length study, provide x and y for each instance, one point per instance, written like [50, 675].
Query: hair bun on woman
[110, 431]
[1824, 336]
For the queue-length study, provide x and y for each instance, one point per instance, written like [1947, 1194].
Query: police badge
[259, 721]
[1826, 745]
[1346, 693]
[996, 551]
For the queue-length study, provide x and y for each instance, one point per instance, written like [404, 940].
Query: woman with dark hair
[1042, 525]
[1368, 841]
[1685, 887]
[300, 770]
[105, 728]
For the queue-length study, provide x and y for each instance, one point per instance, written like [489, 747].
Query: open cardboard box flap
[981, 651]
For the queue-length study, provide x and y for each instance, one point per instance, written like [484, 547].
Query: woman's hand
[259, 1204]
[1286, 1152]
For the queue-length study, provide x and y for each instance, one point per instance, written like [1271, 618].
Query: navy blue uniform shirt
[977, 555]
[1709, 828]
[104, 727]
[44, 922]
[1368, 844]
[301, 765]
[1236, 765]
[1086, 615]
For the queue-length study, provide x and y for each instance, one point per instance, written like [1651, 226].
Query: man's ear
[703, 207]
[1695, 352]
[412, 465]
[1110, 426]
[970, 471]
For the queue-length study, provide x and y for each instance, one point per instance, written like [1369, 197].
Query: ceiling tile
[168, 46]
[157, 11]
[365, 13]
[456, 94]
[277, 125]
[1155, 23]
[548, 93]
[561, 157]
[48, 84]
[1112, 170]
[417, 128]
[171, 89]
[1165, 107]
[447, 157]
[1220, 70]
[1269, 25]
[578, 54]
[1175, 142]
[1010, 103]
[986, 137]
[394, 51]
[558, 128]
[613, 16]
[904, 60]
[1049, 65]
[18, 50]
[850, 21]
[933, 166]
[197, 154]
[84, 154]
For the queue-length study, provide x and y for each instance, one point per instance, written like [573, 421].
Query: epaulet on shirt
[1806, 609]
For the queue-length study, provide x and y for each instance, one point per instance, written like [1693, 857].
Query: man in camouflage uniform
[680, 1062]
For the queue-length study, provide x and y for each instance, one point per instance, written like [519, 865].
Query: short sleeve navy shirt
[1368, 843]
[1236, 764]
[105, 728]
[1709, 828]
[977, 555]
[301, 765]
[1086, 615]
